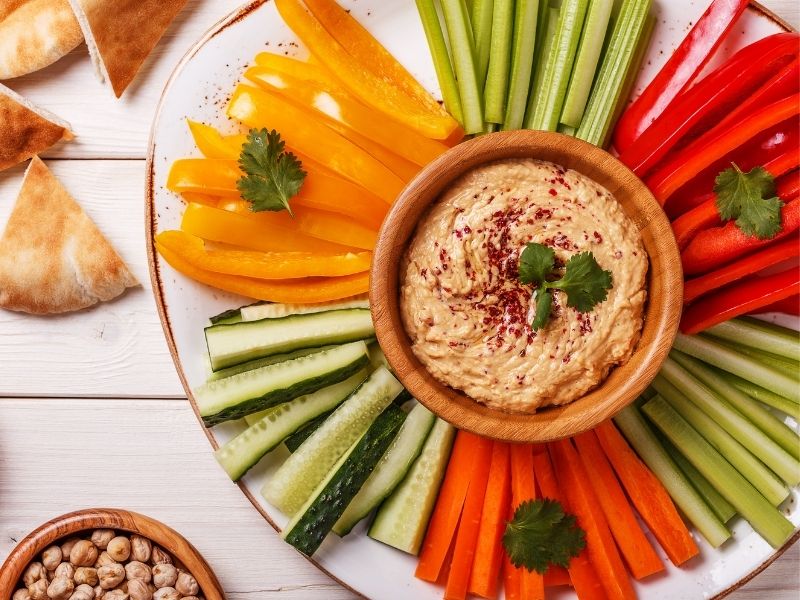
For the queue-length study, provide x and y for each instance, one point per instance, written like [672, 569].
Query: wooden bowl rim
[69, 524]
[663, 308]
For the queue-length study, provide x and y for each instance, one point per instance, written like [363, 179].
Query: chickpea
[167, 593]
[34, 573]
[111, 576]
[60, 589]
[51, 558]
[99, 592]
[83, 554]
[103, 560]
[38, 590]
[138, 570]
[101, 537]
[158, 556]
[141, 548]
[116, 595]
[164, 575]
[190, 598]
[65, 569]
[87, 575]
[119, 548]
[138, 590]
[21, 594]
[83, 592]
[66, 547]
[186, 584]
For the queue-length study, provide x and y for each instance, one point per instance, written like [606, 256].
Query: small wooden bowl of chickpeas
[106, 554]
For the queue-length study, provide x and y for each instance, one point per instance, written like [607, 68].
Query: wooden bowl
[624, 383]
[184, 554]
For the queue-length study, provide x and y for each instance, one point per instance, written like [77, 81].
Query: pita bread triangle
[53, 258]
[25, 129]
[122, 33]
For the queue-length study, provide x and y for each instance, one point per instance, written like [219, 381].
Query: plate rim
[151, 217]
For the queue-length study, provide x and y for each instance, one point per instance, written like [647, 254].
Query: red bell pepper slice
[680, 70]
[788, 186]
[712, 248]
[773, 254]
[711, 99]
[740, 298]
[690, 161]
[790, 306]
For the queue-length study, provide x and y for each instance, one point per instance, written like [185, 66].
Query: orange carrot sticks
[648, 496]
[556, 576]
[512, 577]
[522, 489]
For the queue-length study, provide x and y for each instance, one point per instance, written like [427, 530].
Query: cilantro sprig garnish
[584, 282]
[542, 534]
[750, 199]
[272, 176]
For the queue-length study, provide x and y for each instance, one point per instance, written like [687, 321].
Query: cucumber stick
[462, 47]
[522, 50]
[275, 310]
[254, 391]
[325, 505]
[241, 342]
[496, 89]
[296, 479]
[227, 317]
[390, 471]
[247, 448]
[263, 362]
[294, 441]
[403, 517]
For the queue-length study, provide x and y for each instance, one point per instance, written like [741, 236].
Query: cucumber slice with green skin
[246, 449]
[268, 310]
[230, 345]
[403, 517]
[253, 391]
[227, 317]
[251, 365]
[314, 520]
[391, 469]
[297, 478]
[294, 441]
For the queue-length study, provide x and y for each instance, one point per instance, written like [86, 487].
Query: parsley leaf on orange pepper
[750, 199]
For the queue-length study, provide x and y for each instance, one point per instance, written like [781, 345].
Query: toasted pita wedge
[122, 33]
[53, 259]
[25, 129]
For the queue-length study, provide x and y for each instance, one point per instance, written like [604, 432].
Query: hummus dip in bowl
[455, 319]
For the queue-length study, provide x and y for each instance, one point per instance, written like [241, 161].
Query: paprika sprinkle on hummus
[472, 321]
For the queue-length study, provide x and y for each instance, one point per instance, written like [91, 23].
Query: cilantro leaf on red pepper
[750, 199]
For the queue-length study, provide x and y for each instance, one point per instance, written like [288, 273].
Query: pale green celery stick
[748, 502]
[537, 92]
[722, 357]
[496, 89]
[560, 61]
[635, 67]
[737, 455]
[525, 22]
[586, 61]
[441, 58]
[767, 397]
[648, 447]
[463, 50]
[566, 129]
[481, 12]
[785, 436]
[760, 445]
[785, 365]
[599, 115]
[760, 335]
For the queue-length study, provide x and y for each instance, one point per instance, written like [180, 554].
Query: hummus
[468, 315]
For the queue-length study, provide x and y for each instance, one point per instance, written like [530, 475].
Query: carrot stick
[523, 488]
[639, 554]
[603, 552]
[449, 504]
[469, 525]
[556, 576]
[581, 572]
[648, 496]
[489, 552]
[512, 577]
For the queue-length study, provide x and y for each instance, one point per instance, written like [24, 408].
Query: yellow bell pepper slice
[208, 176]
[361, 65]
[340, 107]
[263, 265]
[206, 199]
[301, 69]
[213, 144]
[257, 108]
[297, 291]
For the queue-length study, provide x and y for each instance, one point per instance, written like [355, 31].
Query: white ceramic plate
[200, 88]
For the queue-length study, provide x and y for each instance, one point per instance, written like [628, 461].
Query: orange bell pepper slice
[206, 199]
[207, 176]
[243, 231]
[257, 108]
[263, 265]
[365, 67]
[307, 70]
[308, 290]
[340, 107]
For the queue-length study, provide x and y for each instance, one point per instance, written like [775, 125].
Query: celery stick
[463, 50]
[525, 22]
[776, 429]
[608, 87]
[748, 465]
[557, 70]
[760, 445]
[718, 355]
[537, 92]
[441, 58]
[586, 61]
[767, 397]
[787, 366]
[499, 60]
[566, 129]
[482, 33]
[642, 46]
[748, 502]
[760, 335]
[644, 441]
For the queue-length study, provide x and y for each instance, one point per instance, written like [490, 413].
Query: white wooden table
[91, 410]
